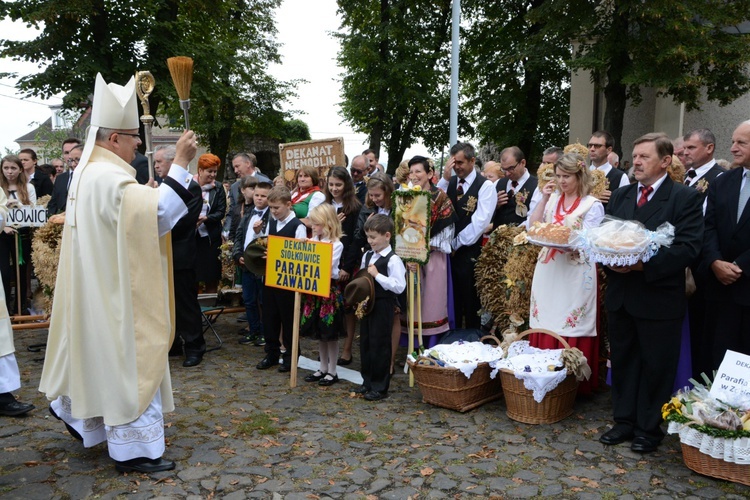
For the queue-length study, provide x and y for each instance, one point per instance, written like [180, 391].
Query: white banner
[27, 216]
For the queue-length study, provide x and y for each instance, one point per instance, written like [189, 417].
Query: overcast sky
[308, 52]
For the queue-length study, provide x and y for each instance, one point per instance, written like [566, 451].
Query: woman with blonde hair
[208, 234]
[564, 289]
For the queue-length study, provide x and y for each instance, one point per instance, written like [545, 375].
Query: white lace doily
[466, 356]
[736, 451]
[530, 364]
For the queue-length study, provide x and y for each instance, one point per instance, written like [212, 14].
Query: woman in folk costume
[208, 265]
[435, 289]
[307, 195]
[563, 293]
[106, 369]
[10, 377]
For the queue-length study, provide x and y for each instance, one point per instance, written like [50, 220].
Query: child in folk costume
[389, 276]
[323, 318]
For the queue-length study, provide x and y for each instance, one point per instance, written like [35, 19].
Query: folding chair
[210, 312]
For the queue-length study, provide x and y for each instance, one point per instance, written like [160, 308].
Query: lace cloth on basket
[539, 379]
[466, 356]
[735, 451]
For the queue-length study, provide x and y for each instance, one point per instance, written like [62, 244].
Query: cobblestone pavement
[241, 433]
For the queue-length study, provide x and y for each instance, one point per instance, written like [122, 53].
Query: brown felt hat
[255, 259]
[360, 288]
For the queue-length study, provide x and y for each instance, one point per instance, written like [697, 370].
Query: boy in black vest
[278, 304]
[389, 274]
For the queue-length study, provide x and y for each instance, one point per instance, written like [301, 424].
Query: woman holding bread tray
[563, 292]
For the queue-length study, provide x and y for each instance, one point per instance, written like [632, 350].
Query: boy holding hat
[389, 275]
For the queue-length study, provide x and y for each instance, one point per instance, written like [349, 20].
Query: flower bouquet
[714, 430]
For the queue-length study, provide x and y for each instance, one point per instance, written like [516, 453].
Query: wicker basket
[519, 401]
[449, 388]
[715, 467]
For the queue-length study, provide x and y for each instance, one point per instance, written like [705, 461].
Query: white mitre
[114, 107]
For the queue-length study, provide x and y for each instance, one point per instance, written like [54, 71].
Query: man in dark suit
[646, 301]
[188, 331]
[518, 185]
[701, 170]
[725, 261]
[59, 197]
[474, 200]
[358, 171]
[600, 147]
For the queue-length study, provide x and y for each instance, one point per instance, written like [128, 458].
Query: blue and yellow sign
[299, 265]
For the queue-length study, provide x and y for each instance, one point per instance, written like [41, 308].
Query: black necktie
[513, 186]
[689, 176]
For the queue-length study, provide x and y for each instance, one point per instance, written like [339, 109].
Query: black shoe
[642, 444]
[260, 340]
[344, 362]
[285, 367]
[71, 430]
[361, 390]
[328, 380]
[192, 361]
[144, 465]
[375, 395]
[244, 332]
[616, 435]
[15, 408]
[268, 362]
[314, 377]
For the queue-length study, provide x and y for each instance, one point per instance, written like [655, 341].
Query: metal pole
[454, 71]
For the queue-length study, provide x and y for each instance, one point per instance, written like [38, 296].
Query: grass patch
[259, 422]
[358, 437]
[507, 469]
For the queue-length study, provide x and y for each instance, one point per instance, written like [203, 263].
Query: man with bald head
[726, 253]
[358, 170]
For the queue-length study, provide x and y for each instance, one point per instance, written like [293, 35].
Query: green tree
[680, 48]
[514, 75]
[395, 56]
[231, 42]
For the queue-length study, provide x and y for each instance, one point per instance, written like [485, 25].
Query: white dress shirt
[250, 234]
[338, 249]
[300, 233]
[396, 280]
[486, 203]
[655, 185]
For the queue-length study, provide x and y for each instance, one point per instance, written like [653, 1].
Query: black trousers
[729, 327]
[644, 355]
[188, 324]
[466, 304]
[278, 316]
[375, 345]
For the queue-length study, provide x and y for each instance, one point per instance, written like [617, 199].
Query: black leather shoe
[71, 430]
[268, 362]
[145, 465]
[616, 435]
[192, 361]
[361, 390]
[344, 362]
[642, 444]
[15, 408]
[375, 396]
[314, 377]
[285, 367]
[326, 381]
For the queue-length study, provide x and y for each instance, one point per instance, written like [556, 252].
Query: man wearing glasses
[600, 146]
[358, 170]
[515, 190]
[62, 182]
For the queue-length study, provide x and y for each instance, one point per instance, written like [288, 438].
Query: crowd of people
[646, 305]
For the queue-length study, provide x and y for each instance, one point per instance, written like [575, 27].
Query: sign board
[299, 265]
[320, 153]
[27, 216]
[732, 382]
